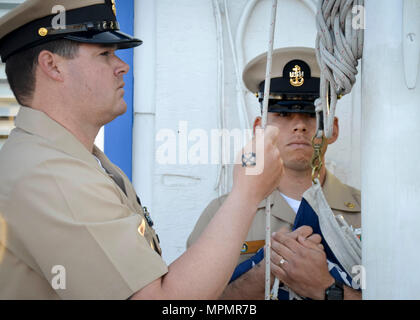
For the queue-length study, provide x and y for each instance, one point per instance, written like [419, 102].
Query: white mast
[390, 170]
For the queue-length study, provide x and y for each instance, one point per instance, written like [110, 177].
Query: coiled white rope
[339, 46]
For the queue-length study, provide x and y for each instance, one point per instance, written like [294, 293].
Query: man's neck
[83, 132]
[294, 183]
[86, 138]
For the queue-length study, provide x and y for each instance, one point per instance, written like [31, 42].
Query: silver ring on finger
[249, 159]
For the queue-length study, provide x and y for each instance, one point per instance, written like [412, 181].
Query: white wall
[181, 65]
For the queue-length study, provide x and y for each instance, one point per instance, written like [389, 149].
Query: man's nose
[122, 68]
[299, 125]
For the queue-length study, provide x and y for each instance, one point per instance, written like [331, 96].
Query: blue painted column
[118, 140]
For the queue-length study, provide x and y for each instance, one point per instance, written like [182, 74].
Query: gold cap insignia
[114, 7]
[297, 76]
[349, 205]
[43, 32]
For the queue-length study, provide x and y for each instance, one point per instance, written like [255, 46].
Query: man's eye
[105, 53]
[283, 114]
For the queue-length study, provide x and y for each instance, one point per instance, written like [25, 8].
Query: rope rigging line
[222, 172]
[339, 46]
[267, 85]
[220, 12]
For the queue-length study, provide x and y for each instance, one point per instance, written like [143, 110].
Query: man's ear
[336, 131]
[49, 64]
[257, 122]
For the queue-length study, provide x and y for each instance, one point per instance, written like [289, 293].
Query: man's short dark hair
[20, 68]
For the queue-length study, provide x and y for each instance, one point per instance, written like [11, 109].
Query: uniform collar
[338, 195]
[38, 123]
[111, 169]
[280, 208]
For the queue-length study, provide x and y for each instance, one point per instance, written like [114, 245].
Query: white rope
[242, 111]
[222, 172]
[339, 46]
[222, 180]
[275, 290]
[337, 233]
[240, 34]
[267, 85]
[240, 93]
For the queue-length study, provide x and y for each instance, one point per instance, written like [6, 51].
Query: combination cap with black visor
[35, 22]
[294, 83]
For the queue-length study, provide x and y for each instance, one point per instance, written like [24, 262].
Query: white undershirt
[294, 204]
[99, 162]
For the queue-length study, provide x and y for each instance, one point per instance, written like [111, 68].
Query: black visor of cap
[278, 106]
[95, 24]
[118, 38]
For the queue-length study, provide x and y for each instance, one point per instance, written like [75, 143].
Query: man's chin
[298, 164]
[114, 113]
[122, 108]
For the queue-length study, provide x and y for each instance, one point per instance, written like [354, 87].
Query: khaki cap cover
[32, 10]
[255, 70]
[86, 21]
